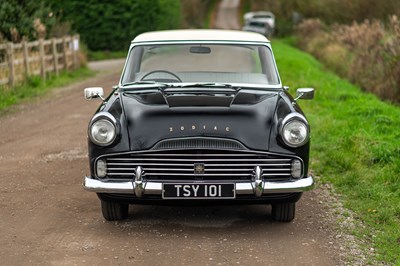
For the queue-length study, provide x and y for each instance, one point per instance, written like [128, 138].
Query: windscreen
[187, 63]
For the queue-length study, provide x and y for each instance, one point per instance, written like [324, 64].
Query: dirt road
[227, 15]
[48, 219]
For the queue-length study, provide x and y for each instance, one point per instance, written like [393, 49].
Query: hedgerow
[25, 19]
[288, 13]
[366, 53]
[111, 25]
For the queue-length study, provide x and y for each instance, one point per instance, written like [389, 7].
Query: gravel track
[48, 219]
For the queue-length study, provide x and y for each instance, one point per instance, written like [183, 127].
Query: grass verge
[355, 146]
[35, 86]
[104, 55]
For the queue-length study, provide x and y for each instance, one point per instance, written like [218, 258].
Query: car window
[202, 63]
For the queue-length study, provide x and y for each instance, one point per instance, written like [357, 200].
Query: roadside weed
[355, 146]
[35, 86]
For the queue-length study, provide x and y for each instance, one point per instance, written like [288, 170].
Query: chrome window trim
[228, 42]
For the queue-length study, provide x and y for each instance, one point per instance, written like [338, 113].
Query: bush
[307, 30]
[367, 53]
[195, 12]
[25, 19]
[288, 12]
[111, 25]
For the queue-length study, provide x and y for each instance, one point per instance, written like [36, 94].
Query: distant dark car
[199, 116]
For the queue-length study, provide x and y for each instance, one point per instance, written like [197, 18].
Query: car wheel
[113, 211]
[283, 212]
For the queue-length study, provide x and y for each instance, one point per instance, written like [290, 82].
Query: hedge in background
[25, 19]
[289, 12]
[367, 54]
[111, 25]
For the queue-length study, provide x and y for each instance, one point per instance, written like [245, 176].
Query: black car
[199, 116]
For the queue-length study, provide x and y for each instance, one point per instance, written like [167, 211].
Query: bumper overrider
[139, 187]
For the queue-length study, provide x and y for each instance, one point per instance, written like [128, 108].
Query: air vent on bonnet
[199, 143]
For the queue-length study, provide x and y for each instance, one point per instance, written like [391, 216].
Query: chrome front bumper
[141, 187]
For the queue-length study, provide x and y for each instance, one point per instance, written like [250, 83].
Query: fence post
[10, 52]
[55, 57]
[42, 59]
[73, 52]
[78, 48]
[65, 53]
[26, 58]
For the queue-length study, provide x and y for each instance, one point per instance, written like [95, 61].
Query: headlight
[102, 131]
[295, 130]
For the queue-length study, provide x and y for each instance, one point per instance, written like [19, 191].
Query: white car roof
[200, 35]
[258, 13]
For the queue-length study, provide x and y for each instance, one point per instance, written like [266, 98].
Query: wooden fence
[20, 60]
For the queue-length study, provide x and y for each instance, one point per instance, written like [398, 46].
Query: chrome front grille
[201, 164]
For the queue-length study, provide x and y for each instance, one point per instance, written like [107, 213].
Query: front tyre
[113, 211]
[283, 212]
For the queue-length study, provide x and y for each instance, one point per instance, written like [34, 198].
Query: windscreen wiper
[207, 84]
[131, 87]
[206, 87]
[146, 82]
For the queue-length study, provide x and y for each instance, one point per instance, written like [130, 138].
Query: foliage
[104, 55]
[197, 13]
[367, 53]
[35, 86]
[111, 25]
[25, 19]
[289, 12]
[355, 146]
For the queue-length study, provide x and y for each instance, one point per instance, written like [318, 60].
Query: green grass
[35, 86]
[355, 146]
[104, 55]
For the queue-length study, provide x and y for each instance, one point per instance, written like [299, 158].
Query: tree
[111, 25]
[25, 19]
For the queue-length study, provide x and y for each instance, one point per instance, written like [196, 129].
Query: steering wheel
[161, 71]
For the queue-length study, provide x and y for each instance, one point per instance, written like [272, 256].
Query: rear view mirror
[94, 92]
[200, 50]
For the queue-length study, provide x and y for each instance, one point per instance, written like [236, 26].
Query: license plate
[198, 191]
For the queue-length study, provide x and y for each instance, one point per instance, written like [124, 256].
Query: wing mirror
[93, 93]
[305, 94]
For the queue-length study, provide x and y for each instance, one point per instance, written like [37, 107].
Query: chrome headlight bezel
[109, 121]
[302, 122]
